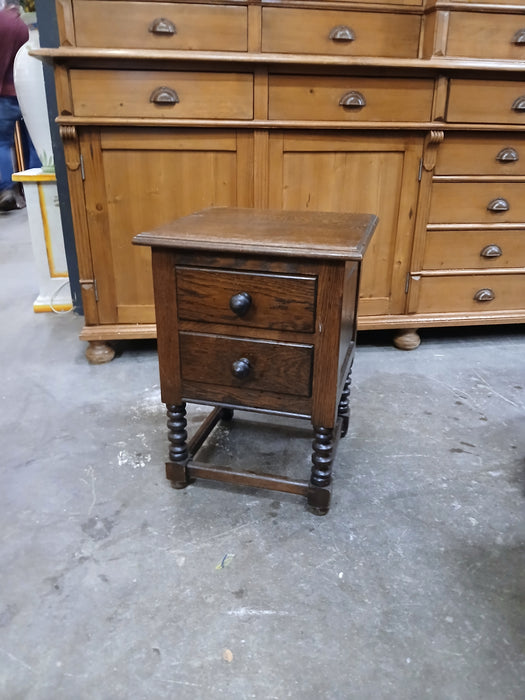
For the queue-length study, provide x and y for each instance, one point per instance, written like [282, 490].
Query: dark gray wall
[48, 30]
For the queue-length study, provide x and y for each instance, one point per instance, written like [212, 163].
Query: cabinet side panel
[167, 330]
[328, 344]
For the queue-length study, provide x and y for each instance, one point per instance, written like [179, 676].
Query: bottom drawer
[262, 365]
[465, 293]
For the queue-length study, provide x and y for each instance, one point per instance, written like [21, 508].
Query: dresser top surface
[309, 234]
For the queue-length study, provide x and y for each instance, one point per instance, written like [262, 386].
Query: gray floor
[115, 586]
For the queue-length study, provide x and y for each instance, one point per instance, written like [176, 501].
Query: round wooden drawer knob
[241, 368]
[240, 303]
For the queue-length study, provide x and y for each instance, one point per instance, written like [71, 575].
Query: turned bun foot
[179, 484]
[319, 500]
[98, 352]
[407, 339]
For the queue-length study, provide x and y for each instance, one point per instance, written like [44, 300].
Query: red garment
[13, 34]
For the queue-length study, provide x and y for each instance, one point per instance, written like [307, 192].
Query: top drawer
[247, 299]
[486, 101]
[486, 35]
[158, 25]
[339, 33]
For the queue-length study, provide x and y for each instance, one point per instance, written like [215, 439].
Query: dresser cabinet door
[355, 172]
[137, 179]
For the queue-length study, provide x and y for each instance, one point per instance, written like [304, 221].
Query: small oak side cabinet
[256, 309]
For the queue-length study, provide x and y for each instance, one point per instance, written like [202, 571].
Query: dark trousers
[9, 114]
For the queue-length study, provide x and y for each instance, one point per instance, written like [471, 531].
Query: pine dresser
[411, 109]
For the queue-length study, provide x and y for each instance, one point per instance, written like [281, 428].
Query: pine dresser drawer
[158, 25]
[470, 293]
[486, 35]
[481, 154]
[247, 299]
[477, 202]
[162, 94]
[486, 101]
[334, 98]
[481, 249]
[339, 33]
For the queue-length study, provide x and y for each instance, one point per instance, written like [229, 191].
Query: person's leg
[9, 113]
[30, 155]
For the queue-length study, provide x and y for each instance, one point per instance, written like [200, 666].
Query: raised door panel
[355, 172]
[138, 179]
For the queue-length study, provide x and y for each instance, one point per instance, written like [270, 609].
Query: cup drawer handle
[484, 295]
[342, 33]
[164, 96]
[241, 368]
[498, 204]
[491, 251]
[519, 37]
[161, 25]
[519, 104]
[352, 100]
[508, 155]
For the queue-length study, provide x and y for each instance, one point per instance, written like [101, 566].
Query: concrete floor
[115, 586]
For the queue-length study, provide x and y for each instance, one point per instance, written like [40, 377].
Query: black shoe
[7, 200]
